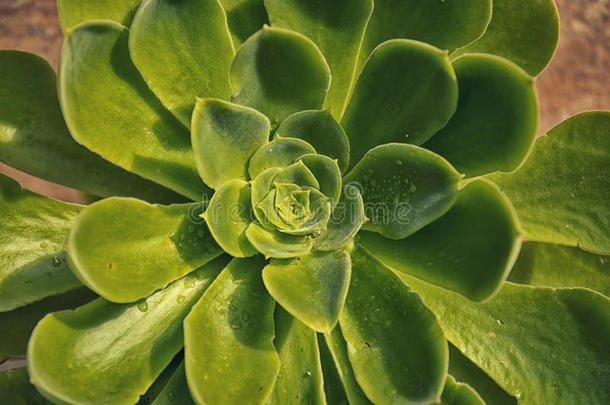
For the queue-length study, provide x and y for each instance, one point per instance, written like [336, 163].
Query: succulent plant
[320, 201]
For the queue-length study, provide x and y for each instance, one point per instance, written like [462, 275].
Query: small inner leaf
[297, 173]
[228, 217]
[312, 288]
[277, 244]
[327, 173]
[281, 152]
[345, 221]
[224, 137]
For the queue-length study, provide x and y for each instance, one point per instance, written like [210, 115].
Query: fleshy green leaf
[561, 193]
[155, 389]
[446, 24]
[298, 174]
[333, 387]
[337, 27]
[33, 229]
[183, 50]
[327, 173]
[320, 130]
[113, 351]
[16, 389]
[338, 348]
[281, 152]
[279, 72]
[125, 249]
[34, 137]
[245, 17]
[539, 344]
[224, 137]
[229, 352]
[456, 393]
[277, 244]
[406, 93]
[345, 222]
[466, 371]
[470, 250]
[73, 12]
[229, 215]
[176, 391]
[549, 265]
[395, 345]
[312, 288]
[404, 188]
[110, 110]
[17, 325]
[300, 378]
[513, 25]
[495, 123]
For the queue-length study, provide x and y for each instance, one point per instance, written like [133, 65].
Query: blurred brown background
[577, 79]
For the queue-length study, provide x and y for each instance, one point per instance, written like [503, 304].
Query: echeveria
[302, 202]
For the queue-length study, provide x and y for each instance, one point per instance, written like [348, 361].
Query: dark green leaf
[312, 288]
[74, 12]
[541, 345]
[300, 378]
[16, 389]
[561, 193]
[459, 394]
[404, 188]
[524, 31]
[176, 391]
[446, 24]
[110, 110]
[338, 348]
[279, 72]
[320, 130]
[125, 249]
[33, 230]
[466, 371]
[495, 123]
[245, 18]
[35, 138]
[471, 249]
[546, 264]
[337, 27]
[229, 352]
[333, 387]
[224, 138]
[183, 50]
[406, 93]
[113, 351]
[395, 345]
[17, 325]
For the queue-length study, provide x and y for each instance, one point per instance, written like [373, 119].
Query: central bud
[289, 200]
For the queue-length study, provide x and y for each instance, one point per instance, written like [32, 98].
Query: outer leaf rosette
[344, 233]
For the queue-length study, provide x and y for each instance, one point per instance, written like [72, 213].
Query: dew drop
[412, 188]
[180, 299]
[189, 283]
[308, 374]
[399, 162]
[43, 245]
[142, 306]
[56, 262]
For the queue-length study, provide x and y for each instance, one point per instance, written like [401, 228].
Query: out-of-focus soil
[578, 78]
